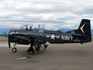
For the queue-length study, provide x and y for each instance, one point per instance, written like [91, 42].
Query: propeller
[5, 34]
[9, 41]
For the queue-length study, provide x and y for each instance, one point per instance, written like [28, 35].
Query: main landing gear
[37, 48]
[31, 50]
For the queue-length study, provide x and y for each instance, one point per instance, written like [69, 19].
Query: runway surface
[55, 57]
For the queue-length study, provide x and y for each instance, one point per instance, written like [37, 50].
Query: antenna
[38, 27]
[44, 28]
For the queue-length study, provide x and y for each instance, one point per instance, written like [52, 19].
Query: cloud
[54, 14]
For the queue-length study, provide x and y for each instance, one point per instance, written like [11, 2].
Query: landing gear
[45, 46]
[31, 50]
[14, 50]
[37, 48]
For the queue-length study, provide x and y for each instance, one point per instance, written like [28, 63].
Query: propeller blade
[9, 41]
[5, 34]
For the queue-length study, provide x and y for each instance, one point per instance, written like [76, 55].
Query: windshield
[24, 27]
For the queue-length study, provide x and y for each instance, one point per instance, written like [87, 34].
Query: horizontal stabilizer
[78, 35]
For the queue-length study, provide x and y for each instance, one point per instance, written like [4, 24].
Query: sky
[54, 14]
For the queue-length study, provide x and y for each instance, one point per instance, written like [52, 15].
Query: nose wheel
[14, 50]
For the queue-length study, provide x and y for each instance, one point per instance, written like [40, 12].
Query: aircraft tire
[14, 50]
[31, 52]
[37, 48]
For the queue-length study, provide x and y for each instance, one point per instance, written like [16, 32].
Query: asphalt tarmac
[55, 57]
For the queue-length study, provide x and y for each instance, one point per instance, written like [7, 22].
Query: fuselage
[51, 37]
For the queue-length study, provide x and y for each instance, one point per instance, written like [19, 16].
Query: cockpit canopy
[24, 27]
[41, 30]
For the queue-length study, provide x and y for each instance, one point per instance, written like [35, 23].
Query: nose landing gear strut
[14, 50]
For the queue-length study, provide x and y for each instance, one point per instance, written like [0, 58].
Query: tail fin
[85, 29]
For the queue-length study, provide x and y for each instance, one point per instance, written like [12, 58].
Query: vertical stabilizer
[85, 29]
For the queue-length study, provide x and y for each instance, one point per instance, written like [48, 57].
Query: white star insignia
[52, 36]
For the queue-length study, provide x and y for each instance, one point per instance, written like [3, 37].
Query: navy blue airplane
[37, 39]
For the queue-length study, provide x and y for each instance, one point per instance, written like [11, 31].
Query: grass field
[3, 37]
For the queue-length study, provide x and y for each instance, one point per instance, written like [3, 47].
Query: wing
[27, 36]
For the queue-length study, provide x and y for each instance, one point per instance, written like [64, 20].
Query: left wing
[27, 36]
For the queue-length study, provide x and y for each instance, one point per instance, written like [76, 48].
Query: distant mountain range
[4, 30]
[41, 29]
